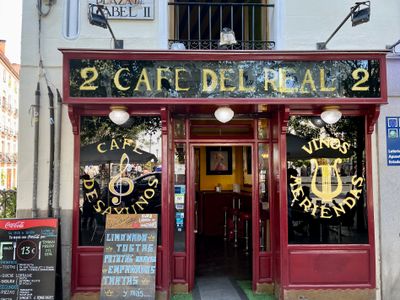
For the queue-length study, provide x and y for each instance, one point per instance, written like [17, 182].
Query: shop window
[326, 182]
[120, 172]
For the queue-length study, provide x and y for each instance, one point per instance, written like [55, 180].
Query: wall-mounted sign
[129, 259]
[393, 140]
[28, 257]
[127, 9]
[255, 79]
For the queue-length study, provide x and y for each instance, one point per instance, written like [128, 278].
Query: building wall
[136, 35]
[389, 177]
[307, 22]
[9, 86]
[298, 26]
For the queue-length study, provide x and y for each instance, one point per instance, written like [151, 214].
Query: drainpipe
[51, 162]
[57, 158]
[35, 109]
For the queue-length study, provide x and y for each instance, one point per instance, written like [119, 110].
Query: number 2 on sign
[361, 79]
[86, 86]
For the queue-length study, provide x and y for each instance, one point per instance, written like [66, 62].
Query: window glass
[120, 172]
[71, 24]
[263, 169]
[180, 196]
[179, 128]
[326, 181]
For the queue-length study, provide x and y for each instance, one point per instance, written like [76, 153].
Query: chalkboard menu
[28, 257]
[129, 259]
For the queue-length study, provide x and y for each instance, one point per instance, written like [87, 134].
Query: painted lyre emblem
[119, 178]
[326, 193]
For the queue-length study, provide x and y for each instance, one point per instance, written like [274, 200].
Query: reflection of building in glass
[119, 173]
[9, 86]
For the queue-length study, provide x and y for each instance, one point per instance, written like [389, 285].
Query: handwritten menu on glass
[28, 257]
[129, 259]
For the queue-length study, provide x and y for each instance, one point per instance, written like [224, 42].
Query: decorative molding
[284, 119]
[164, 120]
[74, 117]
[372, 117]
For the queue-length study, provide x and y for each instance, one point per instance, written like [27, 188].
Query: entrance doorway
[224, 201]
[223, 214]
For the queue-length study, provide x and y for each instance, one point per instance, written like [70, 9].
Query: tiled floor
[219, 265]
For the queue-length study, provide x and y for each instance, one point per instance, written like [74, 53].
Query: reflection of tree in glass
[94, 129]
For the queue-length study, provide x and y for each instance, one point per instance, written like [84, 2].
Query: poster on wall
[28, 258]
[129, 258]
[393, 140]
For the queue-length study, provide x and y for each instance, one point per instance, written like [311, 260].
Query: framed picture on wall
[219, 160]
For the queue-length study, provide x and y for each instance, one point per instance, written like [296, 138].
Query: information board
[28, 257]
[393, 140]
[129, 259]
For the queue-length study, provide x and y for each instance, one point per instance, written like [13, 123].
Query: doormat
[182, 297]
[245, 285]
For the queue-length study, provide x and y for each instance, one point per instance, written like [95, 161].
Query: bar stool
[226, 223]
[235, 218]
[246, 218]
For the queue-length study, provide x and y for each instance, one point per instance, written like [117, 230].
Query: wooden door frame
[191, 235]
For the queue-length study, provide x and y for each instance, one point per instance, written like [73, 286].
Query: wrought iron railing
[198, 25]
[8, 203]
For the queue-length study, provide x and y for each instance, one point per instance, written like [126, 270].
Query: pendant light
[118, 114]
[224, 114]
[331, 114]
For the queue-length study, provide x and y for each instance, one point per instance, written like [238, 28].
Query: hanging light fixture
[331, 114]
[118, 114]
[224, 114]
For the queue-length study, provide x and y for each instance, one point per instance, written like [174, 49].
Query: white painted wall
[389, 178]
[312, 21]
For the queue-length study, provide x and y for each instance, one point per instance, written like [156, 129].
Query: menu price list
[28, 252]
[129, 261]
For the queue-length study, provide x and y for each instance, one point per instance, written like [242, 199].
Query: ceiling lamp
[331, 114]
[224, 114]
[118, 114]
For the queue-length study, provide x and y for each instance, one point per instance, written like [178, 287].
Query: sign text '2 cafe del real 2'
[258, 79]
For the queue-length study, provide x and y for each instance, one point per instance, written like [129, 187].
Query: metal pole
[35, 118]
[322, 45]
[57, 158]
[51, 160]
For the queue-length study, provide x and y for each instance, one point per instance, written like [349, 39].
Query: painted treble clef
[119, 179]
[326, 194]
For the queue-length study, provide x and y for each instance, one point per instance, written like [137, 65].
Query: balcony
[198, 25]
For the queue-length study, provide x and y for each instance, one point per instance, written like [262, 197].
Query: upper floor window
[71, 23]
[199, 25]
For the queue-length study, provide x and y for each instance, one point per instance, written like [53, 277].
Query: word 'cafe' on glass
[281, 191]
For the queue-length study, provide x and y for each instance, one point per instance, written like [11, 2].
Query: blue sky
[10, 28]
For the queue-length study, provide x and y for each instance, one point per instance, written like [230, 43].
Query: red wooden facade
[288, 266]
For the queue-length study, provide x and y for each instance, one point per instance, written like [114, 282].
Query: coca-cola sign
[14, 225]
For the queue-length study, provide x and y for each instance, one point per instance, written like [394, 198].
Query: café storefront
[289, 192]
